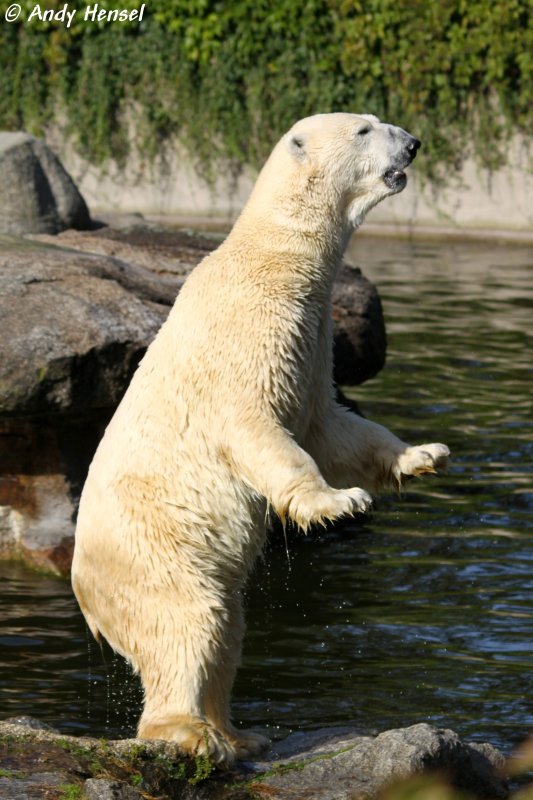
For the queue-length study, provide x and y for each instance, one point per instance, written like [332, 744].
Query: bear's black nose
[413, 145]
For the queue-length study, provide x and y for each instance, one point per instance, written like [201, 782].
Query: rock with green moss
[338, 764]
[330, 764]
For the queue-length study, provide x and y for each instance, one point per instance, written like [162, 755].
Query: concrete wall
[476, 200]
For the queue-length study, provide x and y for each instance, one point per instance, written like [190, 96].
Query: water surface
[421, 613]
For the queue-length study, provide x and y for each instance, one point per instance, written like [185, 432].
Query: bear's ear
[296, 146]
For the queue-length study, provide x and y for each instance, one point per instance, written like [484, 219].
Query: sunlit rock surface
[329, 764]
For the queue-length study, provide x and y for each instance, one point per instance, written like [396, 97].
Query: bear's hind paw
[248, 744]
[194, 737]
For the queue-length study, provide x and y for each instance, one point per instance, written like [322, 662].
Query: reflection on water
[423, 612]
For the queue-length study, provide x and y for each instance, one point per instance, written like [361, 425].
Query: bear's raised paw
[421, 459]
[315, 508]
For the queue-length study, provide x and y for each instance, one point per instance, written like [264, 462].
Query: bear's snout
[407, 147]
[413, 146]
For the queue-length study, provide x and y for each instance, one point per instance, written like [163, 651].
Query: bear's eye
[364, 130]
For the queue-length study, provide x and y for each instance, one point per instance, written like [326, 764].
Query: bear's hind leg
[247, 743]
[174, 660]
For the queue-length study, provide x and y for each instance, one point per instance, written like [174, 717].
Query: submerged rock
[329, 764]
[38, 195]
[77, 312]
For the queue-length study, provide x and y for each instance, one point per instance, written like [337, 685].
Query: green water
[424, 612]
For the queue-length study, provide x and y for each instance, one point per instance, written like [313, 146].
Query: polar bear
[230, 417]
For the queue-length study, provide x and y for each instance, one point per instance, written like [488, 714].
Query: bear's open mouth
[395, 179]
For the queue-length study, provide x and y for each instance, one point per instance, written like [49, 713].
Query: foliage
[194, 770]
[70, 791]
[228, 78]
[86, 755]
[9, 773]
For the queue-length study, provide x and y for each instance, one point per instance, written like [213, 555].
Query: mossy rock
[331, 764]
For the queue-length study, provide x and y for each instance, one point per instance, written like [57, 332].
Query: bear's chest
[296, 362]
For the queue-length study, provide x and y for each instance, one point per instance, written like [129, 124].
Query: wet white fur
[231, 415]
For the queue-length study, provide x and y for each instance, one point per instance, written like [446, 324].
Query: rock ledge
[330, 764]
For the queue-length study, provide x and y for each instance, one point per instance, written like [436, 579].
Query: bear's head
[345, 162]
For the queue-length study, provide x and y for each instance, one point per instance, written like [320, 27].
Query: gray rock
[340, 765]
[360, 340]
[100, 789]
[73, 329]
[38, 786]
[330, 764]
[32, 723]
[38, 195]
[72, 334]
[74, 324]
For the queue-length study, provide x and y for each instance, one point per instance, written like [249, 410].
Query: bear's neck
[304, 234]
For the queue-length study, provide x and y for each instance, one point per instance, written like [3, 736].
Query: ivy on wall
[229, 77]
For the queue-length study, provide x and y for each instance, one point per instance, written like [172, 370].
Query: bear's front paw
[316, 508]
[421, 459]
